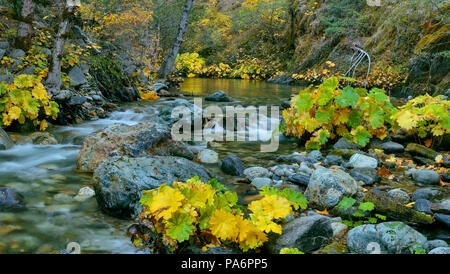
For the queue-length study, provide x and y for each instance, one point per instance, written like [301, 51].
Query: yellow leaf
[43, 125]
[439, 159]
[223, 224]
[166, 203]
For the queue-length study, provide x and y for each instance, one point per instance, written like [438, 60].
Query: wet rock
[166, 112]
[442, 207]
[208, 156]
[84, 194]
[261, 182]
[150, 138]
[368, 176]
[2, 53]
[5, 141]
[64, 95]
[294, 158]
[305, 233]
[362, 161]
[62, 198]
[327, 187]
[430, 245]
[315, 156]
[423, 205]
[420, 150]
[232, 165]
[344, 153]
[333, 248]
[339, 230]
[77, 77]
[392, 209]
[443, 219]
[440, 250]
[219, 96]
[399, 196]
[426, 177]
[392, 238]
[424, 193]
[392, 147]
[254, 172]
[284, 170]
[119, 182]
[299, 179]
[77, 100]
[344, 144]
[333, 160]
[159, 86]
[10, 200]
[43, 138]
[17, 53]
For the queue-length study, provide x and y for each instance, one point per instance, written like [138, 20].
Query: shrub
[190, 64]
[329, 112]
[207, 214]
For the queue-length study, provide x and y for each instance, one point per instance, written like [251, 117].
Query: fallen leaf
[428, 142]
[383, 171]
[325, 212]
[411, 204]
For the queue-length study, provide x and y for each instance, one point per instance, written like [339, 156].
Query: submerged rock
[390, 237]
[208, 156]
[305, 233]
[255, 172]
[43, 138]
[5, 141]
[219, 96]
[151, 138]
[10, 200]
[118, 182]
[368, 176]
[327, 187]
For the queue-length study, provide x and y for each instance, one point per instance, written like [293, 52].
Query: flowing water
[45, 175]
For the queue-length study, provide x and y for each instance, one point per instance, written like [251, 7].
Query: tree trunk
[25, 29]
[53, 81]
[167, 65]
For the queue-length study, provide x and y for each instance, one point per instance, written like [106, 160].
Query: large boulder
[10, 200]
[327, 187]
[390, 237]
[77, 77]
[232, 165]
[119, 182]
[150, 138]
[305, 233]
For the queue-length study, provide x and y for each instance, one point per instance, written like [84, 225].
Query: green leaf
[379, 95]
[296, 198]
[304, 102]
[327, 90]
[216, 184]
[361, 136]
[346, 203]
[381, 217]
[354, 118]
[349, 97]
[372, 220]
[180, 227]
[376, 118]
[226, 200]
[368, 206]
[323, 136]
[324, 116]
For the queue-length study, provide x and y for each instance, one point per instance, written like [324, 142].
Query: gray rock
[254, 172]
[333, 160]
[430, 245]
[159, 86]
[327, 187]
[77, 100]
[208, 156]
[28, 70]
[442, 207]
[43, 138]
[166, 112]
[315, 156]
[84, 194]
[443, 219]
[261, 182]
[10, 200]
[299, 179]
[77, 77]
[424, 193]
[440, 250]
[284, 170]
[5, 141]
[64, 95]
[423, 205]
[294, 158]
[219, 96]
[344, 144]
[399, 195]
[392, 238]
[426, 177]
[119, 182]
[305, 233]
[392, 147]
[2, 53]
[362, 161]
[17, 53]
[7, 79]
[339, 230]
[4, 45]
[368, 176]
[232, 165]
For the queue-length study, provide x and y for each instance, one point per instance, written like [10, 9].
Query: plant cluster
[207, 214]
[364, 214]
[330, 111]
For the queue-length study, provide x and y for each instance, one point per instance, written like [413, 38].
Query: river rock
[420, 150]
[392, 147]
[232, 165]
[315, 156]
[399, 196]
[43, 138]
[219, 96]
[327, 187]
[166, 112]
[440, 250]
[261, 182]
[305, 233]
[299, 179]
[392, 238]
[284, 170]
[150, 138]
[368, 176]
[84, 194]
[430, 245]
[255, 172]
[442, 207]
[17, 53]
[10, 200]
[423, 205]
[294, 158]
[344, 144]
[159, 86]
[443, 219]
[119, 182]
[333, 160]
[5, 141]
[208, 156]
[426, 177]
[362, 161]
[77, 100]
[424, 193]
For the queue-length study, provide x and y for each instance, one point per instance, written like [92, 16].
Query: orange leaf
[383, 171]
[428, 142]
[325, 212]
